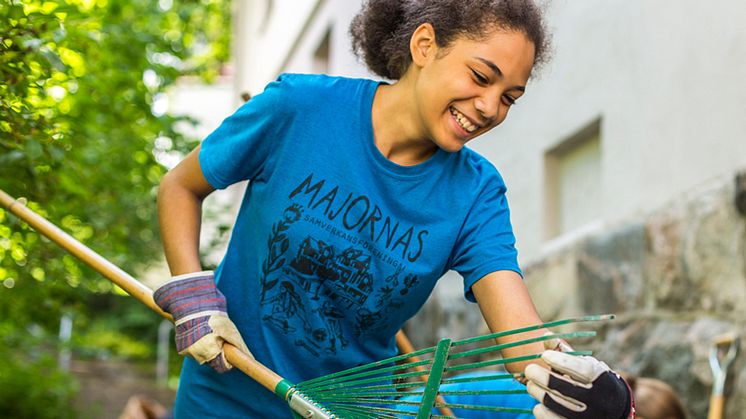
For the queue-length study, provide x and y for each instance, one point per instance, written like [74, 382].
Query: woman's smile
[459, 125]
[464, 121]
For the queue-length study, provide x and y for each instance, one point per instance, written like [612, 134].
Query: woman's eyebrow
[495, 69]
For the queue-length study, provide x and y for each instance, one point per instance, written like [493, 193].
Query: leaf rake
[407, 385]
[375, 390]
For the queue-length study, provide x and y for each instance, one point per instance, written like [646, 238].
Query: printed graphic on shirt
[319, 268]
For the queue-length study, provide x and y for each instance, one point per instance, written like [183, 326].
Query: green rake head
[409, 385]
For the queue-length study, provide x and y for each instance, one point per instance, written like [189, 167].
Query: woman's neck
[397, 130]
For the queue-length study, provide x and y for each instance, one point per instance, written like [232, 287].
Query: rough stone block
[666, 284]
[553, 285]
[610, 270]
[697, 256]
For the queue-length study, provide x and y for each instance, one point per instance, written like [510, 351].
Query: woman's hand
[578, 387]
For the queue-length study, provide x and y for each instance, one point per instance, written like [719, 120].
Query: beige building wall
[276, 36]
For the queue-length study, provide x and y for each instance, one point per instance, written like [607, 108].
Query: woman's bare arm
[506, 304]
[180, 197]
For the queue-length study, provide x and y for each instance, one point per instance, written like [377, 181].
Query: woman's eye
[479, 77]
[509, 100]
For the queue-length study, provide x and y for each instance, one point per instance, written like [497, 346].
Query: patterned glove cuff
[186, 295]
[184, 277]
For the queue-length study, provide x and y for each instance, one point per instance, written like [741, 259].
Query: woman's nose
[488, 107]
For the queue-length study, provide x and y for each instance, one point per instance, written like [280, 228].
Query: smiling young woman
[362, 194]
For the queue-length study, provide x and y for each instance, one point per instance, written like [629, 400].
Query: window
[573, 194]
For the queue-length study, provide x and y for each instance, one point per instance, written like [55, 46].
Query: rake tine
[367, 395]
[365, 411]
[369, 366]
[339, 378]
[433, 382]
[337, 391]
[503, 376]
[384, 401]
[502, 361]
[331, 394]
[547, 325]
[390, 386]
[406, 346]
[522, 342]
[486, 408]
[479, 392]
[336, 384]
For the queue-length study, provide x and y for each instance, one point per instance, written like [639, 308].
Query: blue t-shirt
[334, 246]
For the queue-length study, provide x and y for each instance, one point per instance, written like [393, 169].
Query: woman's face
[468, 89]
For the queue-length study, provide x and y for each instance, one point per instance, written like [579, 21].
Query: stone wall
[675, 278]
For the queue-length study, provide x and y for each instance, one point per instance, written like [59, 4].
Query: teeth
[463, 121]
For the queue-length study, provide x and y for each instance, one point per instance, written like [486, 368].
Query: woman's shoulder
[478, 171]
[312, 87]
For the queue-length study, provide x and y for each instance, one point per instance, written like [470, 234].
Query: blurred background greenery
[79, 138]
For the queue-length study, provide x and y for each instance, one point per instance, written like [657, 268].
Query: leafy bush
[32, 384]
[81, 138]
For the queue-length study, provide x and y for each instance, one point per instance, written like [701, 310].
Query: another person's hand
[578, 387]
[200, 318]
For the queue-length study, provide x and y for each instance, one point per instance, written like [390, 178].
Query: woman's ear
[422, 45]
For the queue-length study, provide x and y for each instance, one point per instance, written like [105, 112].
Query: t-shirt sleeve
[486, 242]
[246, 143]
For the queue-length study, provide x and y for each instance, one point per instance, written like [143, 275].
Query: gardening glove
[554, 344]
[578, 387]
[200, 318]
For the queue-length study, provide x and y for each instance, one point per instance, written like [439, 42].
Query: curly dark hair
[382, 30]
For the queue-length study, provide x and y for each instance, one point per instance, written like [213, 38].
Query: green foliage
[80, 137]
[123, 329]
[102, 342]
[32, 385]
[36, 389]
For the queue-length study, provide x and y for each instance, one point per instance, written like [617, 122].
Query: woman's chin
[453, 146]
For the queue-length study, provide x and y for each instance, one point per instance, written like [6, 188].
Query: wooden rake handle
[254, 369]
